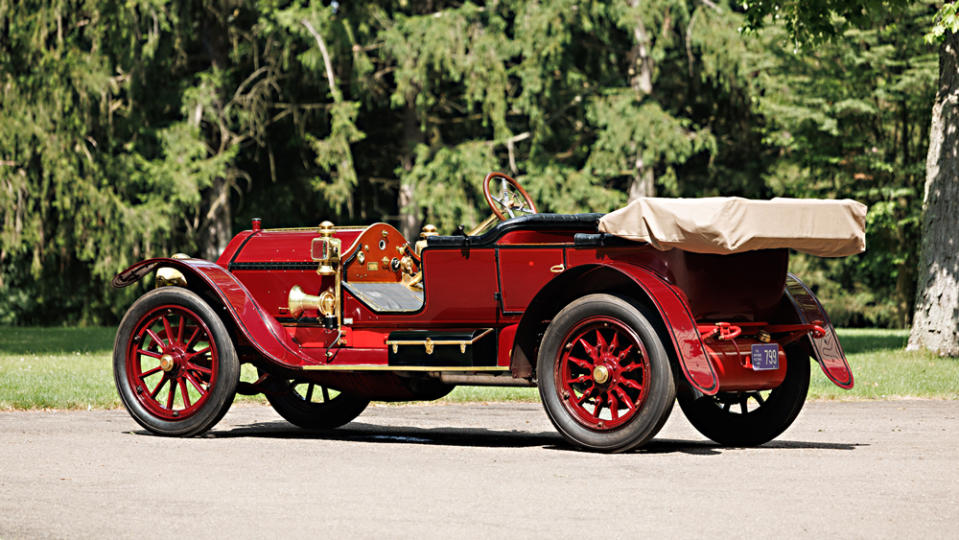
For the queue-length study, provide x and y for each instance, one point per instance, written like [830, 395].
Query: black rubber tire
[295, 408]
[222, 393]
[760, 425]
[653, 412]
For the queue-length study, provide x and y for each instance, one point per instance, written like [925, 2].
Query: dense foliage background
[138, 128]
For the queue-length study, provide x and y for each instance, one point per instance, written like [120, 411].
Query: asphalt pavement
[886, 469]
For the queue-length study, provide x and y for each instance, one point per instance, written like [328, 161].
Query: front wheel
[311, 405]
[604, 376]
[754, 417]
[174, 363]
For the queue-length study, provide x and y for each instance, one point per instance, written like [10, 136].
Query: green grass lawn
[70, 368]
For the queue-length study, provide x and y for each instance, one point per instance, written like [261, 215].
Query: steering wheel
[511, 199]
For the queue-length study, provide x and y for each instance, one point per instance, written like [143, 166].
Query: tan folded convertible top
[733, 224]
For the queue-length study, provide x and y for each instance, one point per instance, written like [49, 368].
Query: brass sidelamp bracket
[326, 251]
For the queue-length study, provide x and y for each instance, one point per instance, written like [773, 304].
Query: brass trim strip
[429, 343]
[336, 227]
[368, 367]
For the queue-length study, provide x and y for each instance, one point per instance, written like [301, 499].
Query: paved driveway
[845, 469]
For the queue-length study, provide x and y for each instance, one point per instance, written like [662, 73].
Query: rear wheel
[311, 405]
[174, 363]
[754, 417]
[604, 376]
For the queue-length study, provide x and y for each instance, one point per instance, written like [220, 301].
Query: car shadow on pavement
[707, 448]
[486, 438]
[361, 432]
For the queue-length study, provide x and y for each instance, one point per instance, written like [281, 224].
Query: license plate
[765, 356]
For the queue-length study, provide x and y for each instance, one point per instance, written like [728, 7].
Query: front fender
[826, 349]
[262, 331]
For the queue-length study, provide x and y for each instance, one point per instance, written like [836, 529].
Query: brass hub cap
[167, 362]
[600, 374]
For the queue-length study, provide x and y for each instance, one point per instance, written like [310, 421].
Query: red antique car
[611, 317]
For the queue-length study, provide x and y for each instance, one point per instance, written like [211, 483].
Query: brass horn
[299, 302]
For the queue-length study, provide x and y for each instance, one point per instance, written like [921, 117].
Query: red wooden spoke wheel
[174, 363]
[601, 372]
[604, 376]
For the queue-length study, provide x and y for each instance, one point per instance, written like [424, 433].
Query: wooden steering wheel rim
[514, 183]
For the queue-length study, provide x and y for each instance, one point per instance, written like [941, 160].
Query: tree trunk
[643, 183]
[935, 324]
[216, 230]
[406, 200]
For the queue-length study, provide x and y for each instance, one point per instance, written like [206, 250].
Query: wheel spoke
[156, 339]
[326, 394]
[192, 337]
[149, 353]
[625, 397]
[581, 379]
[622, 355]
[197, 353]
[631, 383]
[759, 398]
[614, 343]
[742, 403]
[726, 406]
[199, 368]
[590, 350]
[581, 363]
[598, 404]
[167, 330]
[600, 343]
[633, 367]
[185, 394]
[309, 392]
[196, 384]
[156, 390]
[170, 395]
[146, 374]
[586, 395]
[179, 330]
[613, 405]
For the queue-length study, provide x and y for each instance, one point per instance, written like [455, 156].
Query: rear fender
[262, 331]
[667, 300]
[826, 349]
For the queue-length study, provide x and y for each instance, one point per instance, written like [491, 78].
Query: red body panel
[524, 271]
[505, 347]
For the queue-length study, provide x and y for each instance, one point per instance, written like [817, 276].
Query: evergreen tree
[935, 326]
